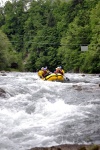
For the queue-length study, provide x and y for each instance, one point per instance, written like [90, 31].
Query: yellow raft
[52, 77]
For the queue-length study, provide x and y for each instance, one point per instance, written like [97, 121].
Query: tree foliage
[8, 57]
[51, 33]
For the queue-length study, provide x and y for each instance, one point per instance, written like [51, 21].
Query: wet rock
[76, 87]
[69, 147]
[83, 75]
[2, 93]
[4, 74]
[2, 71]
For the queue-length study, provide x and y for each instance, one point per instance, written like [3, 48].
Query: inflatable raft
[52, 77]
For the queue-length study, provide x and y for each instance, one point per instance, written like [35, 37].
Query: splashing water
[43, 113]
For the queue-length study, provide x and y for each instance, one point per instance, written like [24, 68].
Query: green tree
[51, 32]
[2, 17]
[14, 23]
[70, 50]
[92, 61]
[6, 52]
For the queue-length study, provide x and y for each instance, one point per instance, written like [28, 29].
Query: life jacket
[61, 71]
[45, 73]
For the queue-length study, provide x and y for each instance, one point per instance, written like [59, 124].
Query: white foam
[36, 111]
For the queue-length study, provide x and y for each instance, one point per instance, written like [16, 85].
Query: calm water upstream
[43, 113]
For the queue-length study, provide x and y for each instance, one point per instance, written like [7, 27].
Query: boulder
[2, 93]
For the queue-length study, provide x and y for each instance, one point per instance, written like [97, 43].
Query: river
[39, 113]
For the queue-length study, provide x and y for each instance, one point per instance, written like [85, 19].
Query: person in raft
[59, 70]
[45, 72]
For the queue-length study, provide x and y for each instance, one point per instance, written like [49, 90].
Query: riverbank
[69, 147]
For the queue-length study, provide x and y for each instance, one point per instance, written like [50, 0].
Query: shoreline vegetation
[70, 147]
[50, 33]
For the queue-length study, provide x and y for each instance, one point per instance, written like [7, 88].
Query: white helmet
[42, 68]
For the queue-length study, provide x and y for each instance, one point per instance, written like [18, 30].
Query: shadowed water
[43, 113]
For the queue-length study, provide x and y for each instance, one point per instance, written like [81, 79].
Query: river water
[43, 113]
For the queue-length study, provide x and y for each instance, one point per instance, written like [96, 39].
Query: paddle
[67, 79]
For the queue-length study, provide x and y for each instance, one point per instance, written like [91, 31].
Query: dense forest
[36, 33]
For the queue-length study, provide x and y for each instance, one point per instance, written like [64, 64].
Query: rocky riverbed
[69, 147]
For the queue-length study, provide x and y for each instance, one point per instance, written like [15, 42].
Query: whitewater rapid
[36, 113]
